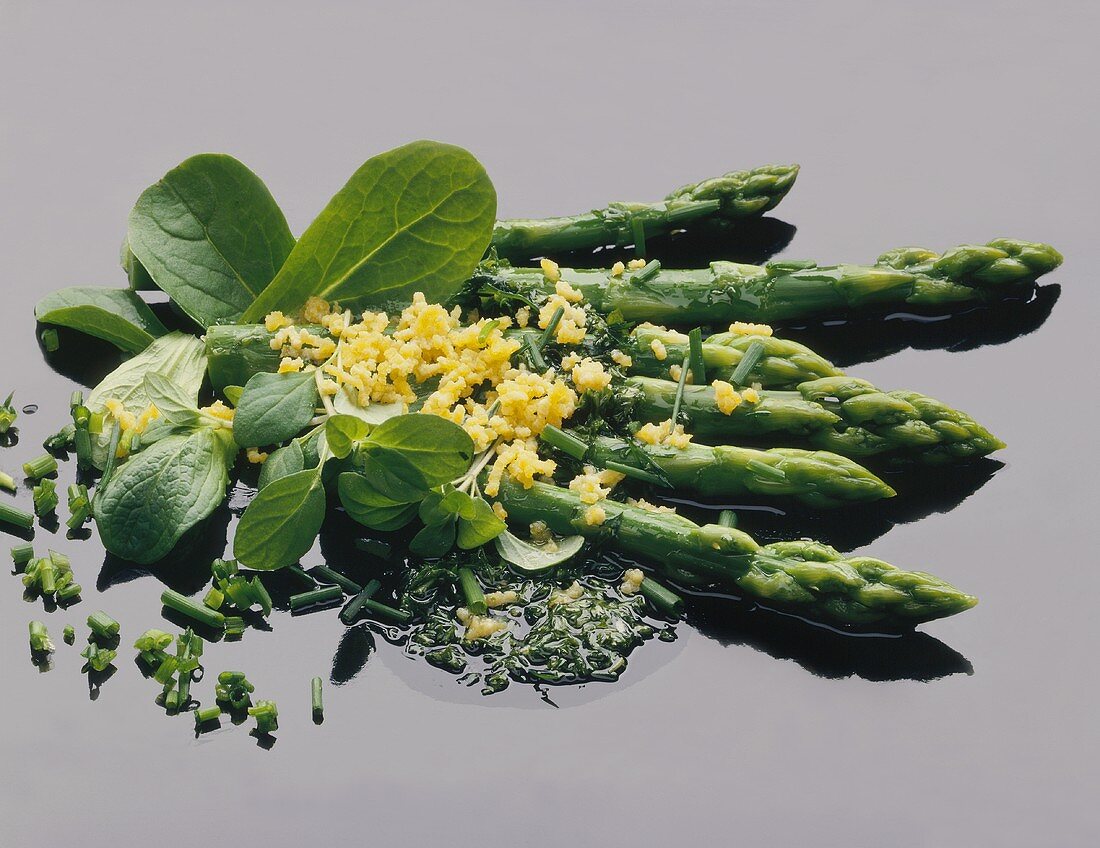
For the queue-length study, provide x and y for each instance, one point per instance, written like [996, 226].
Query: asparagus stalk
[784, 291]
[819, 479]
[840, 414]
[739, 194]
[807, 577]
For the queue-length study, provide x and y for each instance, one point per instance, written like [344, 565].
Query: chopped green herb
[316, 597]
[266, 715]
[315, 696]
[103, 625]
[40, 466]
[40, 638]
[45, 497]
[68, 634]
[182, 604]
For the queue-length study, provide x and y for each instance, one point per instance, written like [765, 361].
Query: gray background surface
[929, 123]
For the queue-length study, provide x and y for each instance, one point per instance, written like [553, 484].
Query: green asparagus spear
[816, 478]
[739, 194]
[784, 291]
[807, 577]
[840, 414]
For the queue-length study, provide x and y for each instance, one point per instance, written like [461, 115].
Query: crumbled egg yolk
[632, 581]
[479, 626]
[290, 365]
[570, 360]
[617, 269]
[635, 264]
[218, 410]
[664, 434]
[571, 328]
[541, 535]
[520, 459]
[589, 375]
[594, 516]
[499, 511]
[129, 424]
[587, 486]
[501, 599]
[659, 350]
[641, 503]
[276, 321]
[744, 328]
[523, 316]
[256, 456]
[750, 395]
[550, 270]
[726, 396]
[675, 371]
[621, 359]
[564, 596]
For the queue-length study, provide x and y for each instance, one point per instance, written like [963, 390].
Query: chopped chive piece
[753, 354]
[44, 495]
[266, 715]
[62, 439]
[153, 640]
[103, 625]
[695, 347]
[40, 466]
[166, 669]
[69, 634]
[385, 611]
[234, 625]
[551, 328]
[40, 638]
[47, 577]
[727, 518]
[192, 609]
[471, 591]
[76, 399]
[80, 505]
[567, 443]
[534, 355]
[351, 610]
[375, 547]
[315, 696]
[11, 515]
[214, 598]
[647, 272]
[260, 595]
[98, 658]
[637, 229]
[636, 473]
[317, 596]
[50, 340]
[234, 689]
[486, 331]
[22, 554]
[171, 700]
[679, 392]
[7, 414]
[323, 572]
[663, 600]
[7, 481]
[67, 593]
[762, 469]
[207, 715]
[297, 571]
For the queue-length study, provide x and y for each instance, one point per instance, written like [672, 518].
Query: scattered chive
[47, 577]
[62, 439]
[50, 341]
[234, 625]
[679, 392]
[753, 354]
[39, 638]
[44, 495]
[385, 611]
[7, 481]
[646, 272]
[776, 475]
[7, 414]
[663, 600]
[551, 328]
[315, 597]
[698, 367]
[214, 598]
[636, 473]
[206, 715]
[315, 696]
[266, 715]
[297, 571]
[10, 515]
[68, 592]
[727, 518]
[153, 640]
[487, 330]
[103, 625]
[471, 591]
[40, 466]
[567, 443]
[69, 634]
[351, 609]
[375, 547]
[22, 554]
[637, 229]
[329, 576]
[182, 604]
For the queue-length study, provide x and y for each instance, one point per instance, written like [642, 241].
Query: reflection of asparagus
[739, 194]
[783, 291]
[840, 414]
[808, 577]
[816, 478]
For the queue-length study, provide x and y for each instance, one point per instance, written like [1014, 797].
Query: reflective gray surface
[932, 123]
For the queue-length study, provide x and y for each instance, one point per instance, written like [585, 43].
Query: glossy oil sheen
[933, 124]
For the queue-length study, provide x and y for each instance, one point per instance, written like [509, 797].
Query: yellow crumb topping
[594, 516]
[744, 328]
[218, 410]
[288, 365]
[621, 359]
[750, 395]
[568, 292]
[571, 327]
[523, 316]
[726, 396]
[641, 503]
[479, 626]
[589, 375]
[501, 599]
[664, 434]
[276, 321]
[550, 270]
[635, 264]
[659, 350]
[617, 269]
[256, 456]
[499, 511]
[632, 581]
[564, 596]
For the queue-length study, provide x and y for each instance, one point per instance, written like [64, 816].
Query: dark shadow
[822, 650]
[96, 679]
[356, 645]
[81, 358]
[871, 337]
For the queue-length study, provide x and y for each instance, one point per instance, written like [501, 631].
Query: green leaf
[439, 449]
[370, 507]
[171, 401]
[342, 432]
[282, 463]
[434, 540]
[281, 524]
[417, 218]
[210, 234]
[177, 356]
[373, 414]
[117, 316]
[274, 408]
[136, 274]
[478, 525]
[233, 394]
[532, 559]
[391, 473]
[162, 492]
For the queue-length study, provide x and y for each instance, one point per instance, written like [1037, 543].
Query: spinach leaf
[136, 274]
[370, 507]
[439, 449]
[417, 218]
[274, 408]
[117, 316]
[177, 356]
[478, 524]
[162, 492]
[532, 559]
[450, 515]
[282, 463]
[342, 432]
[434, 540]
[392, 474]
[171, 401]
[281, 524]
[210, 234]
